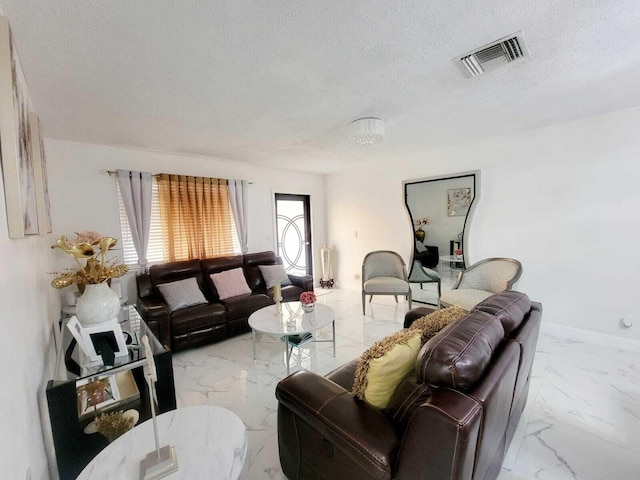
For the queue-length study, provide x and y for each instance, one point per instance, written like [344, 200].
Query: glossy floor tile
[582, 420]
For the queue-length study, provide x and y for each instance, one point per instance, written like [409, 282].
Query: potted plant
[308, 301]
[420, 233]
[98, 302]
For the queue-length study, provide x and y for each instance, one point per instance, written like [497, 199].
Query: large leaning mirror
[440, 209]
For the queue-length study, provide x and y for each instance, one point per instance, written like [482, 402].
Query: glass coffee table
[293, 322]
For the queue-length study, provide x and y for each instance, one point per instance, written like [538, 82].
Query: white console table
[210, 442]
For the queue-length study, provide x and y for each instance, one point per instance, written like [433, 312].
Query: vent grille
[501, 51]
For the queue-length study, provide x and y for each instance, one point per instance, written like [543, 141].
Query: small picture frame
[76, 330]
[111, 333]
[89, 337]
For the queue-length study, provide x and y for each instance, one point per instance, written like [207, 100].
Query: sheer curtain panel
[135, 190]
[238, 199]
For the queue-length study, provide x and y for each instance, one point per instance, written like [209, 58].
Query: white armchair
[482, 280]
[384, 273]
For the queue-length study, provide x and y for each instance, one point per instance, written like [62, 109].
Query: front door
[293, 222]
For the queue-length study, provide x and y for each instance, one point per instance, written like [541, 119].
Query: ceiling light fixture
[367, 130]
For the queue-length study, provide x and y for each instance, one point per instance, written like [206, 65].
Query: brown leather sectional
[453, 419]
[219, 319]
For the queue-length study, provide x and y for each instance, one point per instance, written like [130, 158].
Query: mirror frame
[475, 174]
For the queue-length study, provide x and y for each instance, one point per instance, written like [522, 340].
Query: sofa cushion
[458, 356]
[386, 285]
[194, 318]
[252, 272]
[244, 305]
[230, 283]
[182, 293]
[384, 365]
[217, 265]
[509, 307]
[274, 274]
[172, 271]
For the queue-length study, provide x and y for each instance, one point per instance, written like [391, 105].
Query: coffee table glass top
[294, 320]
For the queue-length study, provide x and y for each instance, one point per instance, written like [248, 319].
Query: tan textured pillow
[384, 365]
[436, 321]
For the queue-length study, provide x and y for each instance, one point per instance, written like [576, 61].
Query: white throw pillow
[230, 283]
[182, 294]
[420, 247]
[274, 274]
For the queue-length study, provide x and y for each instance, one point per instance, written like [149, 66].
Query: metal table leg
[289, 349]
[253, 333]
[334, 338]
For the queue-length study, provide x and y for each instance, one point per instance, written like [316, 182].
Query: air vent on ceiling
[505, 50]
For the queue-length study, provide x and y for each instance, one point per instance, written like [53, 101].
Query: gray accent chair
[384, 273]
[421, 274]
[480, 281]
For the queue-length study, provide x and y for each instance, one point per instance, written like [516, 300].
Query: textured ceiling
[277, 82]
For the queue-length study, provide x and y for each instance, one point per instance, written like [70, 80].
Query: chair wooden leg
[396, 297]
[363, 304]
[370, 298]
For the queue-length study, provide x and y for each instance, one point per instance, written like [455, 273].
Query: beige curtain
[196, 217]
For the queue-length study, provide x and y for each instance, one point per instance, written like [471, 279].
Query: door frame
[306, 202]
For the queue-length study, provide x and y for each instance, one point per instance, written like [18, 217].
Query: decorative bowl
[308, 307]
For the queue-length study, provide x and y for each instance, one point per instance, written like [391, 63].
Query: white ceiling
[277, 82]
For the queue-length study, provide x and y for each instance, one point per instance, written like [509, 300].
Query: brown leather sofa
[219, 319]
[453, 420]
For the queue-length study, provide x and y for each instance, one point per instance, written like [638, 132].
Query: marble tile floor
[582, 420]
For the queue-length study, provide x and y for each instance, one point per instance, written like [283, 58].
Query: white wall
[564, 200]
[83, 198]
[28, 312]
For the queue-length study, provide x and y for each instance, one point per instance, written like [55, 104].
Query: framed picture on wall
[16, 146]
[458, 202]
[40, 176]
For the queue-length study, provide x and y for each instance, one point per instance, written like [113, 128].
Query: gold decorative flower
[92, 247]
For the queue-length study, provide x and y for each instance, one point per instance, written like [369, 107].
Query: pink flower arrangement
[308, 298]
[421, 222]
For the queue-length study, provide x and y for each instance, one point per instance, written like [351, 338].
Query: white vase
[98, 304]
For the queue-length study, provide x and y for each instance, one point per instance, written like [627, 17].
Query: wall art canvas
[458, 202]
[40, 176]
[15, 141]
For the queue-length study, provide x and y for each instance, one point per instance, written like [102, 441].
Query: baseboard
[588, 336]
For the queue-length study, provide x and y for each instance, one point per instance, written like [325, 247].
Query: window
[155, 249]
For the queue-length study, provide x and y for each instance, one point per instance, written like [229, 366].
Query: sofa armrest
[316, 415]
[440, 439]
[156, 314]
[305, 282]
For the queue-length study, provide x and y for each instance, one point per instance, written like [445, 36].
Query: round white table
[210, 442]
[293, 321]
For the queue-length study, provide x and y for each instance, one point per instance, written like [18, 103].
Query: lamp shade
[367, 130]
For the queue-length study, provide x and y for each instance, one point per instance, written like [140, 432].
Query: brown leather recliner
[453, 420]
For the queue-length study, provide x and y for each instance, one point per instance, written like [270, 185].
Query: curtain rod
[111, 173]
